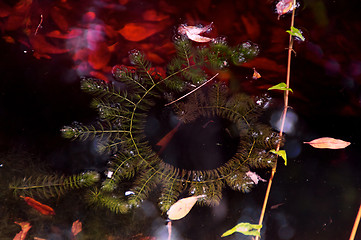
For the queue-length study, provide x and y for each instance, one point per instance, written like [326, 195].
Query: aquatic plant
[136, 167]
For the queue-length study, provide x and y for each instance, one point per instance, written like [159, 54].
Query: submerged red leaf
[99, 57]
[25, 227]
[42, 47]
[5, 10]
[76, 227]
[71, 34]
[42, 208]
[139, 31]
[166, 139]
[152, 15]
[58, 16]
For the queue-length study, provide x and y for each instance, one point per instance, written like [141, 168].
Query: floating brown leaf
[182, 207]
[327, 142]
[193, 32]
[285, 6]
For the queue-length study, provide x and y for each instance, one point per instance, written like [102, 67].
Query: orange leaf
[42, 208]
[25, 227]
[76, 227]
[256, 74]
[327, 142]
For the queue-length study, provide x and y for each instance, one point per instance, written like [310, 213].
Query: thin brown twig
[355, 225]
[39, 25]
[193, 90]
[283, 118]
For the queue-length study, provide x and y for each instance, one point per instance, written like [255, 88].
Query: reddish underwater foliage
[99, 36]
[25, 227]
[42, 208]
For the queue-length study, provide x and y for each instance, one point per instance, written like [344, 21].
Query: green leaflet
[296, 33]
[281, 86]
[245, 228]
[281, 153]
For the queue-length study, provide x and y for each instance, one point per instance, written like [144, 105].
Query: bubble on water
[290, 122]
[128, 193]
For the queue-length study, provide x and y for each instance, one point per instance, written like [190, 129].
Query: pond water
[47, 46]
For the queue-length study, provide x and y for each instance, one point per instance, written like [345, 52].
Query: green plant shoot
[296, 33]
[281, 153]
[244, 228]
[281, 86]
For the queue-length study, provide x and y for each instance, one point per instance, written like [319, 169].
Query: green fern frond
[239, 181]
[146, 181]
[104, 130]
[52, 185]
[184, 50]
[122, 167]
[171, 188]
[213, 193]
[112, 202]
[105, 91]
[244, 52]
[138, 59]
[110, 111]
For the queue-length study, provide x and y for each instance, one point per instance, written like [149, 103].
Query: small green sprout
[245, 228]
[296, 33]
[281, 86]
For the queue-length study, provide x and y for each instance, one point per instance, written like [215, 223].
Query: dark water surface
[316, 196]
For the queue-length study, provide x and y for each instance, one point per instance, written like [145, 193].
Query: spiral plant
[128, 106]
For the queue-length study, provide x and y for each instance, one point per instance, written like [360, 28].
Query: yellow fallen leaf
[327, 142]
[182, 207]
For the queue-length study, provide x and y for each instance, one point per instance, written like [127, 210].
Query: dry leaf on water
[182, 207]
[327, 142]
[254, 177]
[285, 6]
[193, 32]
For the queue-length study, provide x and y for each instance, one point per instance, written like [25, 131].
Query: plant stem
[283, 118]
[355, 225]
